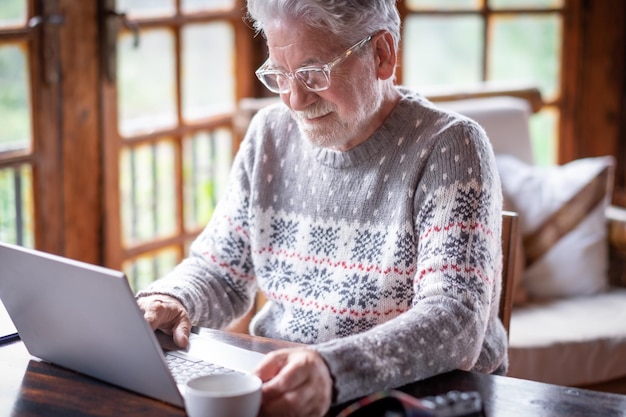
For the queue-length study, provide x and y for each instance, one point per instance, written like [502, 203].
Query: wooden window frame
[65, 145]
[115, 254]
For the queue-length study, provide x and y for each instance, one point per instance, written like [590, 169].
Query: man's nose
[299, 97]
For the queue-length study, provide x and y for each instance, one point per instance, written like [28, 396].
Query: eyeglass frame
[325, 69]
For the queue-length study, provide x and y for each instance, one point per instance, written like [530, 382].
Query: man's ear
[386, 56]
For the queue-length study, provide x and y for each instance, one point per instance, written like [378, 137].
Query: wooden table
[29, 387]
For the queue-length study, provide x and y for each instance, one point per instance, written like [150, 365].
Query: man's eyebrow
[310, 62]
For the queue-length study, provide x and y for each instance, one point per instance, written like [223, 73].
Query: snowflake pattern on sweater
[386, 257]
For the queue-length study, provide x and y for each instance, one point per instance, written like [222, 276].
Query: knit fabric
[385, 258]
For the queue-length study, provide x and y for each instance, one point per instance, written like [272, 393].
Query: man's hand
[296, 382]
[168, 315]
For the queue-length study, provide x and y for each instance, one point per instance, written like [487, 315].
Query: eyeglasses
[313, 78]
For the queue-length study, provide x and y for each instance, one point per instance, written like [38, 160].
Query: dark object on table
[399, 404]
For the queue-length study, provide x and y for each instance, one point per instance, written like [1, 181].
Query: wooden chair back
[510, 237]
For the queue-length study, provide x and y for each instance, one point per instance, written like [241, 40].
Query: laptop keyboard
[185, 367]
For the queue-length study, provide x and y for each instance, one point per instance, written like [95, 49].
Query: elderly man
[369, 218]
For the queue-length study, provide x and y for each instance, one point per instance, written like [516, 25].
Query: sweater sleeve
[216, 282]
[456, 287]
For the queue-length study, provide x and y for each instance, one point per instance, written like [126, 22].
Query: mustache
[317, 110]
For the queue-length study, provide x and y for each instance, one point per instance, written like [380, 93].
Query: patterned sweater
[386, 258]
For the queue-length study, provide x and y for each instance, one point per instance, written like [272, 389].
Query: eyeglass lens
[313, 78]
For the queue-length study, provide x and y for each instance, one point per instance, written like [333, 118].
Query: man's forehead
[299, 42]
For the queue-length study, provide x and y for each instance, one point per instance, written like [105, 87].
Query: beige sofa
[569, 325]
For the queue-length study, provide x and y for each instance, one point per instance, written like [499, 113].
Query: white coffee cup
[225, 395]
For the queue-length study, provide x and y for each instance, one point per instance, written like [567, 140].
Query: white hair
[347, 19]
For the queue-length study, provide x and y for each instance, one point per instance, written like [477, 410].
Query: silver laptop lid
[85, 318]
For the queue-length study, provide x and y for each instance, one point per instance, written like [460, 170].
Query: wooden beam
[80, 139]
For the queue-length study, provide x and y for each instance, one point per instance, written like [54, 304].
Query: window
[462, 42]
[168, 131]
[23, 175]
[16, 140]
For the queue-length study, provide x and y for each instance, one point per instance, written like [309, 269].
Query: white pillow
[576, 264]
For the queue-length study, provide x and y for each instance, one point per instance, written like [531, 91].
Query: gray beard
[340, 132]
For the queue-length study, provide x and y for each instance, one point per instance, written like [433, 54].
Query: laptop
[85, 318]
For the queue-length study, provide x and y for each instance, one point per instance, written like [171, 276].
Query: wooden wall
[594, 117]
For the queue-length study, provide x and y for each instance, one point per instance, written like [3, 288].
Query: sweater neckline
[381, 139]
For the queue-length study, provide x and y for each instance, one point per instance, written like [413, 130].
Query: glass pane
[207, 162]
[12, 13]
[15, 113]
[143, 270]
[544, 133]
[526, 4]
[16, 206]
[528, 49]
[443, 4]
[442, 51]
[190, 6]
[143, 8]
[147, 187]
[146, 82]
[208, 70]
